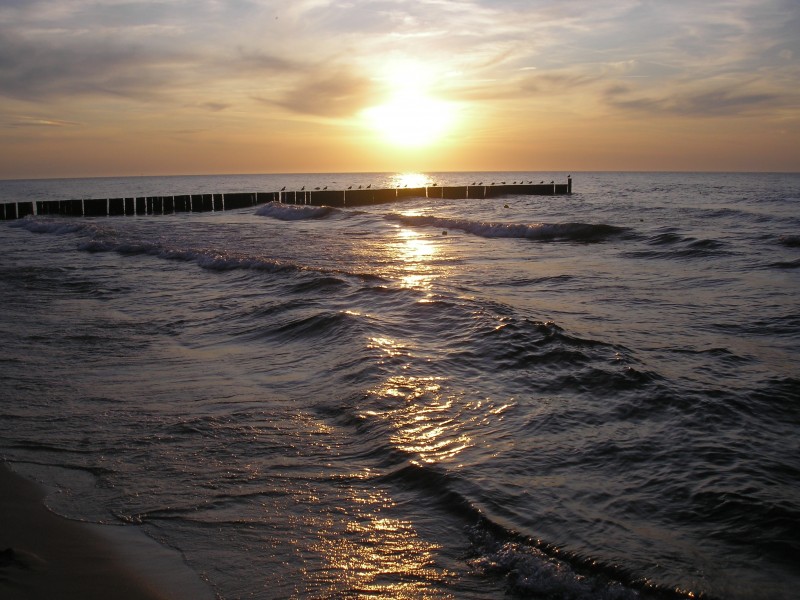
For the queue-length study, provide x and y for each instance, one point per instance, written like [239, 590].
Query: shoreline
[44, 555]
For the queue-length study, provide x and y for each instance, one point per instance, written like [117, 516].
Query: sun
[411, 118]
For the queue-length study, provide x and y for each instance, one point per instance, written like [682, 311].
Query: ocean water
[574, 397]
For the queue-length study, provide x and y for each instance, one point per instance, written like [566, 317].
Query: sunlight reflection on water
[420, 416]
[414, 253]
[376, 556]
[410, 180]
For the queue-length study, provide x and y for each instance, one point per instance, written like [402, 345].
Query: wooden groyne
[165, 205]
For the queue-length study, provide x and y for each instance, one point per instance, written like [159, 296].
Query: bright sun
[411, 119]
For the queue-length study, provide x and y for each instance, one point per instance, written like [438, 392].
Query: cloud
[42, 69]
[215, 106]
[27, 121]
[561, 81]
[731, 99]
[336, 94]
[261, 62]
[185, 64]
[152, 50]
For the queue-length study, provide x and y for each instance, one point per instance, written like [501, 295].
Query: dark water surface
[594, 396]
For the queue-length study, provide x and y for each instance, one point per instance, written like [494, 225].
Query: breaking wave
[545, 232]
[293, 212]
[213, 260]
[38, 225]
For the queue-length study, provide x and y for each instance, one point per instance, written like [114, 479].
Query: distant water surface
[592, 396]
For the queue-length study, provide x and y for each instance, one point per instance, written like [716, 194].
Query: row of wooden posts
[162, 205]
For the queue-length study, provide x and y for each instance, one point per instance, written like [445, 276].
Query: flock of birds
[521, 182]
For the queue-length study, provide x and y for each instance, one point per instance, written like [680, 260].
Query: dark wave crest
[670, 243]
[543, 232]
[294, 212]
[208, 258]
[790, 241]
[529, 568]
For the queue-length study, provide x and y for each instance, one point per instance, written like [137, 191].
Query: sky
[160, 87]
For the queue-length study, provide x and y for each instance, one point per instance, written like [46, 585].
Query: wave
[294, 212]
[544, 232]
[214, 260]
[103, 239]
[36, 225]
[206, 259]
[568, 360]
[785, 264]
[323, 325]
[554, 280]
[672, 244]
[791, 241]
[665, 238]
[529, 567]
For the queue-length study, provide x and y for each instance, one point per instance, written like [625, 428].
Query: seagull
[325, 188]
[473, 183]
[302, 188]
[369, 186]
[350, 187]
[359, 187]
[283, 188]
[481, 183]
[316, 188]
[542, 181]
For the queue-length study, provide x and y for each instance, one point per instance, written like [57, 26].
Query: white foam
[293, 212]
[530, 572]
[47, 226]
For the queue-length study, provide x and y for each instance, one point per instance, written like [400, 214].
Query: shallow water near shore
[585, 396]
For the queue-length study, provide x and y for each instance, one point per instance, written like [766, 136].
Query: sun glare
[411, 180]
[411, 119]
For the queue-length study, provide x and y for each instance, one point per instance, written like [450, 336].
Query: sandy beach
[43, 555]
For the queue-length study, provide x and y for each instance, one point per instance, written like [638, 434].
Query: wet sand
[43, 555]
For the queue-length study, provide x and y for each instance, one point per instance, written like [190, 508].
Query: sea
[585, 396]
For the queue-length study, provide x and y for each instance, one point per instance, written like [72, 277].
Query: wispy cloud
[328, 94]
[714, 101]
[42, 69]
[27, 121]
